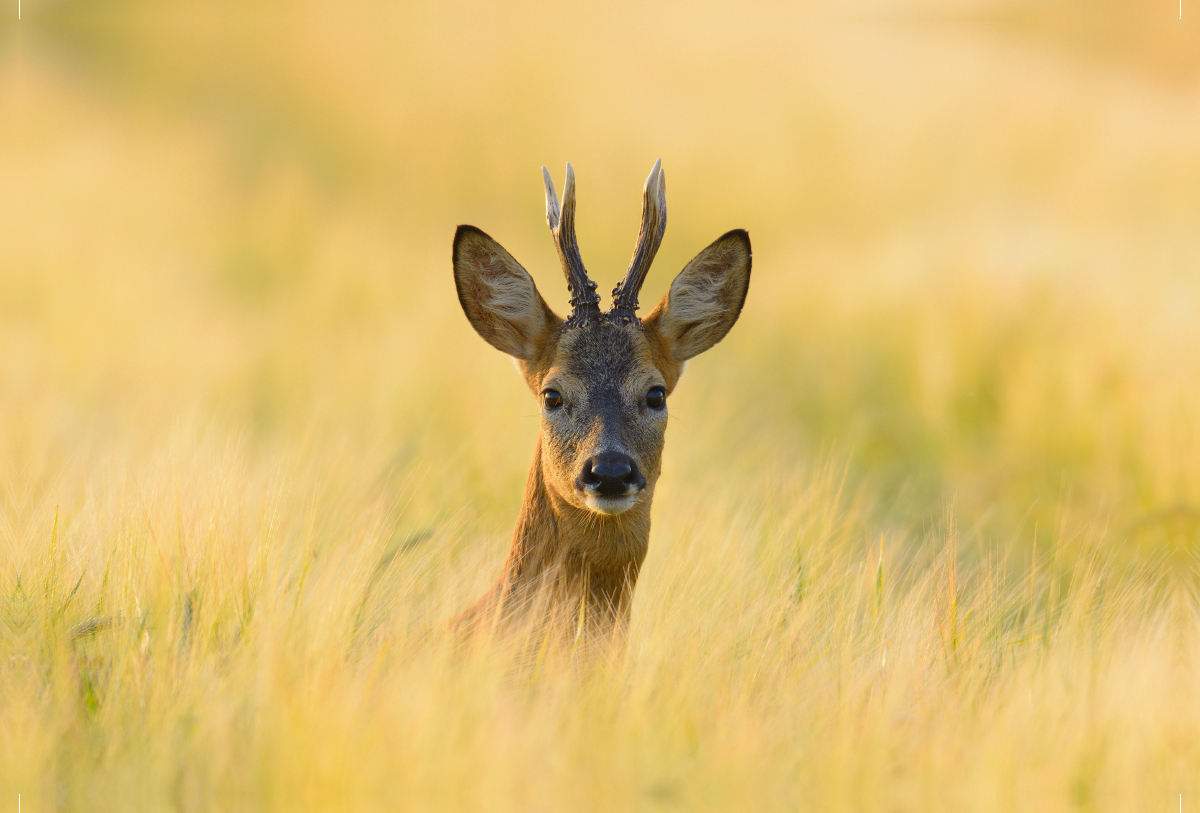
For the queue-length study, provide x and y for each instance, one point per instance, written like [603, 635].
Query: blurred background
[927, 528]
[976, 229]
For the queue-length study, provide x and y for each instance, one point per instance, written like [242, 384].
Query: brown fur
[570, 565]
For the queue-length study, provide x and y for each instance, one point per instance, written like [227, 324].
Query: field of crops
[927, 532]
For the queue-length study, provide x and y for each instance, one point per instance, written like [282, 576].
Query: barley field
[927, 533]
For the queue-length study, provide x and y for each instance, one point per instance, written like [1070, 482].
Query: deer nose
[611, 474]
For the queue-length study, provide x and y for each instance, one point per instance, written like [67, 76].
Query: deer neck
[576, 552]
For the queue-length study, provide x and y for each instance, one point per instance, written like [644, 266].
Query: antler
[654, 224]
[584, 299]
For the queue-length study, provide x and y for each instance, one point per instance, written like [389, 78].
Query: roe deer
[602, 381]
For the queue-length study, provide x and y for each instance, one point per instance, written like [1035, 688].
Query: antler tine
[584, 299]
[654, 225]
[552, 211]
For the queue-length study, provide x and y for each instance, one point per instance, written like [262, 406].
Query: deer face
[602, 380]
[602, 394]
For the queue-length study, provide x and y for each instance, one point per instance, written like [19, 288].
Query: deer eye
[656, 398]
[552, 399]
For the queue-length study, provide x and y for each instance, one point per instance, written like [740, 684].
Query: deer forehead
[602, 357]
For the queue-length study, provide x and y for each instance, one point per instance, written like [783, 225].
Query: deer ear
[706, 298]
[499, 297]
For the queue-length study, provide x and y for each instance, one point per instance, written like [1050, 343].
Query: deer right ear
[499, 297]
[706, 298]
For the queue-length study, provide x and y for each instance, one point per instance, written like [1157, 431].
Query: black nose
[611, 474]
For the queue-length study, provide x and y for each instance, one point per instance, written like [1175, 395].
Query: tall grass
[927, 530]
[239, 639]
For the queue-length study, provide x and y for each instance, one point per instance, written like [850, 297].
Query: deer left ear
[706, 298]
[499, 297]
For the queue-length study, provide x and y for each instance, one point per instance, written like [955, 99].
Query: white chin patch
[610, 505]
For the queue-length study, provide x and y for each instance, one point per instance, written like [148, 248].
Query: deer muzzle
[610, 482]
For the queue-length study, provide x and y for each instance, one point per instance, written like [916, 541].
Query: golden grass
[927, 532]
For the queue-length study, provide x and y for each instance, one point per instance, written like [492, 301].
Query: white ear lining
[706, 297]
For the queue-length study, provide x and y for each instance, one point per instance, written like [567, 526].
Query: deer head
[602, 380]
